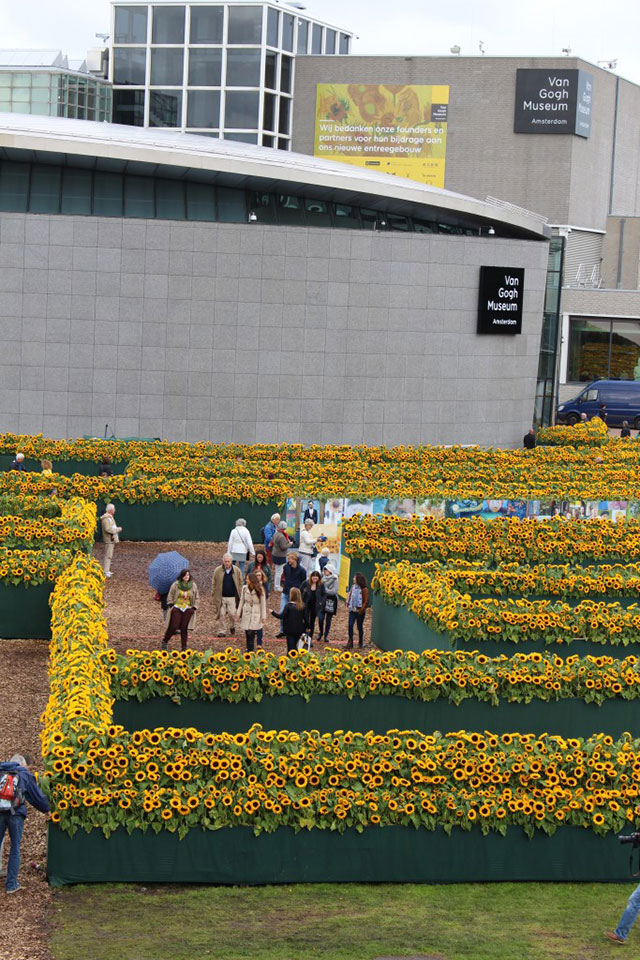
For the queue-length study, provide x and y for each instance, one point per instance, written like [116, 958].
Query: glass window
[318, 213]
[395, 222]
[168, 25]
[44, 196]
[290, 209]
[589, 342]
[283, 144]
[316, 38]
[285, 110]
[241, 137]
[303, 36]
[344, 42]
[243, 68]
[138, 197]
[129, 65]
[165, 108]
[14, 186]
[107, 194]
[286, 71]
[263, 205]
[76, 191]
[241, 109]
[203, 108]
[130, 25]
[128, 107]
[424, 226]
[206, 24]
[347, 216]
[273, 24]
[370, 218]
[267, 141]
[245, 25]
[201, 202]
[269, 112]
[167, 67]
[625, 350]
[271, 71]
[330, 43]
[170, 199]
[232, 206]
[205, 68]
[287, 31]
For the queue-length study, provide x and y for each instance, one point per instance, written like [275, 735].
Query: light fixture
[253, 216]
[455, 50]
[491, 232]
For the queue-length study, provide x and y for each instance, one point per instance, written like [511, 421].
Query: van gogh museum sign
[553, 101]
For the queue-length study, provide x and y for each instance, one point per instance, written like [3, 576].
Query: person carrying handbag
[240, 544]
[252, 610]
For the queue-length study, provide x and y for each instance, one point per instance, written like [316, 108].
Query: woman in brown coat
[252, 610]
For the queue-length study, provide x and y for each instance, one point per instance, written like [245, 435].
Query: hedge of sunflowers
[590, 433]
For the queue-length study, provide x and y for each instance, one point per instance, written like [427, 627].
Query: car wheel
[572, 419]
[636, 423]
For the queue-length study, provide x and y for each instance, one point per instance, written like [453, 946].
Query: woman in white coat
[252, 610]
[240, 545]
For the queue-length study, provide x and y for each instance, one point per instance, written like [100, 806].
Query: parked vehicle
[621, 399]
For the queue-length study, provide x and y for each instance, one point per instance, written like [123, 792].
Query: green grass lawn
[339, 922]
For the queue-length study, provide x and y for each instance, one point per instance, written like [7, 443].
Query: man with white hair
[17, 785]
[240, 544]
[226, 589]
[269, 533]
[18, 462]
[307, 549]
[110, 537]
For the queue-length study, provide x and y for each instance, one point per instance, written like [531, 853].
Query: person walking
[17, 785]
[529, 442]
[183, 601]
[330, 584]
[110, 536]
[269, 533]
[259, 573]
[252, 611]
[625, 431]
[602, 412]
[294, 620]
[293, 575]
[282, 542]
[313, 596]
[18, 463]
[240, 544]
[105, 469]
[259, 562]
[226, 588]
[323, 559]
[357, 603]
[627, 920]
[307, 548]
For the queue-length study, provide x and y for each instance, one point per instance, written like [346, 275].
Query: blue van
[621, 397]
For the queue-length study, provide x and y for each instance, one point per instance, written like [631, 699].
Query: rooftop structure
[46, 83]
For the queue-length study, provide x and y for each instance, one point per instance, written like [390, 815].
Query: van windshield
[587, 395]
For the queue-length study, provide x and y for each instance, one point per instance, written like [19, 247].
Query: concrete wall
[622, 268]
[565, 178]
[256, 333]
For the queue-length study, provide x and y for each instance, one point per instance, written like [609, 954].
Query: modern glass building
[42, 82]
[224, 70]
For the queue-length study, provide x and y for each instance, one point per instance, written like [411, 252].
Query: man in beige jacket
[110, 537]
[226, 589]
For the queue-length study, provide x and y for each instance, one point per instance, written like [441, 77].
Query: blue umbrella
[164, 569]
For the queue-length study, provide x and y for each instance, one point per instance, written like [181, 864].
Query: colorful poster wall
[397, 129]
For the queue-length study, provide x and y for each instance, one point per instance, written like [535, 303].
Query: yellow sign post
[396, 129]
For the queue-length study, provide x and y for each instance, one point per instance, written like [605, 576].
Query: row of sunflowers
[430, 593]
[588, 433]
[73, 529]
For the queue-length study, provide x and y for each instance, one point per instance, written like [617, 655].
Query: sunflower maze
[489, 735]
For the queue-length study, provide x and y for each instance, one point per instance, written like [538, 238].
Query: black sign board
[500, 301]
[553, 101]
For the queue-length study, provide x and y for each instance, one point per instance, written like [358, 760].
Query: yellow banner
[398, 129]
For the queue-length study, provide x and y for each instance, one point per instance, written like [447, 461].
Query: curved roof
[180, 155]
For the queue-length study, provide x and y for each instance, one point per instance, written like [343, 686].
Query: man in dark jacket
[18, 462]
[13, 814]
[293, 575]
[529, 441]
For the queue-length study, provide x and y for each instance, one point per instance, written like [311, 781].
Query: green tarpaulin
[25, 612]
[189, 521]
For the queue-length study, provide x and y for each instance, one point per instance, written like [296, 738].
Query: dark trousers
[292, 643]
[324, 625]
[15, 825]
[356, 618]
[178, 620]
[251, 638]
[312, 623]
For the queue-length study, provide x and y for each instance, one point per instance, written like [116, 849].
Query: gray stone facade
[253, 333]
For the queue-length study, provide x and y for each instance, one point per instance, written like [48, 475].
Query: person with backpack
[330, 584]
[268, 533]
[294, 619]
[17, 785]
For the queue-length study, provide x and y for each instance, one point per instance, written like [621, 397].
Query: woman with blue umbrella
[183, 601]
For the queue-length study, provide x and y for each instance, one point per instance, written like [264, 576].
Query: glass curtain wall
[603, 349]
[48, 93]
[546, 388]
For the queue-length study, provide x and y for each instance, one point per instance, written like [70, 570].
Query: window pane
[287, 32]
[168, 25]
[283, 125]
[303, 36]
[316, 39]
[203, 108]
[269, 113]
[165, 108]
[241, 110]
[201, 204]
[271, 71]
[14, 186]
[346, 216]
[107, 194]
[167, 67]
[588, 350]
[206, 24]
[625, 350]
[129, 65]
[131, 25]
[128, 107]
[243, 68]
[318, 213]
[205, 68]
[245, 25]
[344, 43]
[76, 191]
[273, 23]
[283, 144]
[241, 137]
[44, 196]
[330, 45]
[263, 205]
[138, 197]
[290, 210]
[232, 206]
[170, 199]
[267, 141]
[285, 74]
[395, 222]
